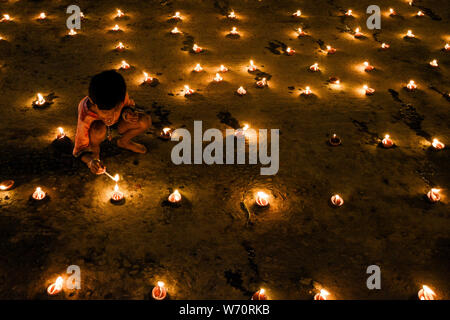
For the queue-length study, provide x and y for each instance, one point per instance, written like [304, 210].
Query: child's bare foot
[132, 146]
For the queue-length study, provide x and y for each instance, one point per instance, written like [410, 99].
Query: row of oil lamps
[159, 292]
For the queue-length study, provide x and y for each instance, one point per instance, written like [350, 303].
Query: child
[107, 104]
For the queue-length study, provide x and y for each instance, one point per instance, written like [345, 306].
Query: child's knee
[145, 121]
[97, 131]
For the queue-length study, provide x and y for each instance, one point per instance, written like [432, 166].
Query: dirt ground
[212, 247]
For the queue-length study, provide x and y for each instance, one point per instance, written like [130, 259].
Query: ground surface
[209, 248]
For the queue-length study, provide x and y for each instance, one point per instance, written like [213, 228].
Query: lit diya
[241, 91]
[434, 195]
[197, 49]
[335, 140]
[117, 196]
[223, 68]
[321, 295]
[234, 32]
[307, 91]
[232, 15]
[175, 31]
[198, 68]
[297, 14]
[217, 78]
[159, 292]
[300, 32]
[174, 197]
[124, 65]
[260, 295]
[119, 14]
[358, 33]
[392, 12]
[385, 46]
[116, 28]
[120, 47]
[314, 67]
[387, 141]
[419, 14]
[42, 16]
[40, 102]
[188, 91]
[289, 51]
[411, 86]
[251, 67]
[349, 13]
[177, 16]
[148, 80]
[331, 50]
[437, 144]
[426, 293]
[368, 67]
[38, 194]
[262, 199]
[334, 80]
[409, 34]
[368, 91]
[6, 185]
[5, 18]
[61, 134]
[261, 83]
[336, 200]
[72, 32]
[166, 133]
[447, 47]
[239, 133]
[56, 287]
[434, 63]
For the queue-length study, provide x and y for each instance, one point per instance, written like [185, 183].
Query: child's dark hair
[107, 89]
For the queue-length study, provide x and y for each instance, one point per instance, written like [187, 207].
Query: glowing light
[217, 78]
[387, 141]
[261, 83]
[337, 201]
[147, 78]
[314, 67]
[166, 133]
[252, 67]
[241, 131]
[297, 14]
[358, 33]
[392, 12]
[198, 68]
[124, 65]
[368, 67]
[434, 195]
[42, 16]
[175, 31]
[188, 91]
[260, 295]
[241, 91]
[447, 47]
[434, 63]
[335, 140]
[300, 32]
[120, 47]
[116, 28]
[426, 293]
[5, 18]
[307, 91]
[72, 32]
[6, 185]
[409, 34]
[411, 86]
[232, 15]
[349, 13]
[116, 196]
[119, 14]
[40, 100]
[437, 144]
[60, 134]
[262, 199]
[56, 287]
[175, 197]
[420, 14]
[38, 194]
[331, 50]
[289, 51]
[368, 91]
[223, 68]
[197, 49]
[234, 31]
[385, 46]
[322, 295]
[159, 292]
[177, 16]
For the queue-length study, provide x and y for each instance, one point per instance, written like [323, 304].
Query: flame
[385, 45]
[56, 287]
[308, 90]
[187, 90]
[72, 32]
[409, 34]
[262, 198]
[116, 187]
[198, 68]
[147, 78]
[61, 133]
[437, 144]
[324, 294]
[349, 12]
[124, 65]
[116, 28]
[234, 31]
[116, 177]
[40, 99]
[175, 30]
[262, 291]
[245, 128]
[119, 13]
[166, 130]
[42, 15]
[428, 294]
[232, 15]
[38, 194]
[447, 46]
[391, 11]
[2, 187]
[420, 13]
[223, 68]
[161, 284]
[314, 67]
[411, 85]
[120, 46]
[386, 137]
[177, 15]
[357, 30]
[298, 13]
[196, 48]
[175, 196]
[434, 63]
[6, 17]
[218, 78]
[241, 91]
[252, 67]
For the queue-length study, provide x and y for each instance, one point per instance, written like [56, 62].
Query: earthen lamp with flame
[385, 46]
[261, 83]
[420, 14]
[124, 65]
[175, 31]
[260, 295]
[117, 196]
[72, 32]
[239, 133]
[223, 69]
[5, 18]
[119, 14]
[297, 14]
[198, 68]
[38, 194]
[387, 142]
[241, 91]
[314, 67]
[335, 140]
[321, 295]
[61, 134]
[358, 33]
[234, 32]
[438, 145]
[251, 67]
[392, 12]
[368, 67]
[174, 197]
[217, 78]
[300, 32]
[289, 51]
[336, 200]
[177, 16]
[447, 47]
[40, 101]
[425, 293]
[368, 91]
[120, 47]
[188, 91]
[55, 287]
[147, 79]
[409, 34]
[330, 50]
[411, 86]
[232, 15]
[159, 292]
[116, 28]
[262, 199]
[42, 16]
[434, 63]
[166, 133]
[349, 13]
[6, 185]
[196, 48]
[434, 195]
[307, 91]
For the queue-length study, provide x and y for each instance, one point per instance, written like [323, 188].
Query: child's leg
[129, 130]
[97, 133]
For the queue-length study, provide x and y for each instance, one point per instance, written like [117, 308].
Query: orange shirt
[85, 119]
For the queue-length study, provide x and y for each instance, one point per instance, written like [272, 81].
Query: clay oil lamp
[387, 142]
[314, 67]
[349, 13]
[116, 28]
[117, 196]
[124, 65]
[147, 79]
[38, 194]
[434, 195]
[72, 32]
[188, 91]
[335, 140]
[119, 14]
[217, 78]
[419, 14]
[61, 134]
[321, 295]
[289, 51]
[196, 48]
[261, 83]
[447, 47]
[336, 200]
[331, 50]
[392, 12]
[166, 133]
[241, 91]
[368, 91]
[260, 295]
[437, 144]
[251, 67]
[368, 67]
[262, 199]
[174, 197]
[159, 292]
[385, 46]
[198, 68]
[232, 15]
[120, 47]
[223, 69]
[409, 35]
[426, 293]
[177, 16]
[40, 102]
[300, 32]
[42, 16]
[434, 63]
[297, 14]
[334, 80]
[55, 287]
[234, 32]
[6, 18]
[411, 86]
[6, 185]
[175, 31]
[307, 91]
[358, 34]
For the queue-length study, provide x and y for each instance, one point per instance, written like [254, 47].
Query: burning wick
[358, 34]
[330, 50]
[434, 195]
[56, 287]
[166, 133]
[124, 65]
[337, 201]
[241, 91]
[301, 33]
[335, 140]
[411, 86]
[82, 15]
[289, 51]
[368, 91]
[175, 31]
[198, 68]
[147, 78]
[262, 83]
[177, 16]
[6, 185]
[232, 15]
[262, 199]
[384, 46]
[241, 131]
[72, 32]
[334, 80]
[447, 47]
[197, 49]
[60, 134]
[119, 14]
[314, 67]
[426, 293]
[175, 197]
[217, 78]
[234, 31]
[420, 14]
[434, 63]
[116, 28]
[116, 196]
[368, 67]
[40, 100]
[6, 17]
[437, 144]
[409, 34]
[349, 13]
[252, 67]
[392, 12]
[42, 16]
[260, 295]
[223, 68]
[38, 194]
[322, 295]
[159, 292]
[387, 141]
[307, 91]
[188, 91]
[297, 14]
[120, 47]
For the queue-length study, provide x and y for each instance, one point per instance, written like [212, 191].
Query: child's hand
[96, 167]
[131, 116]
